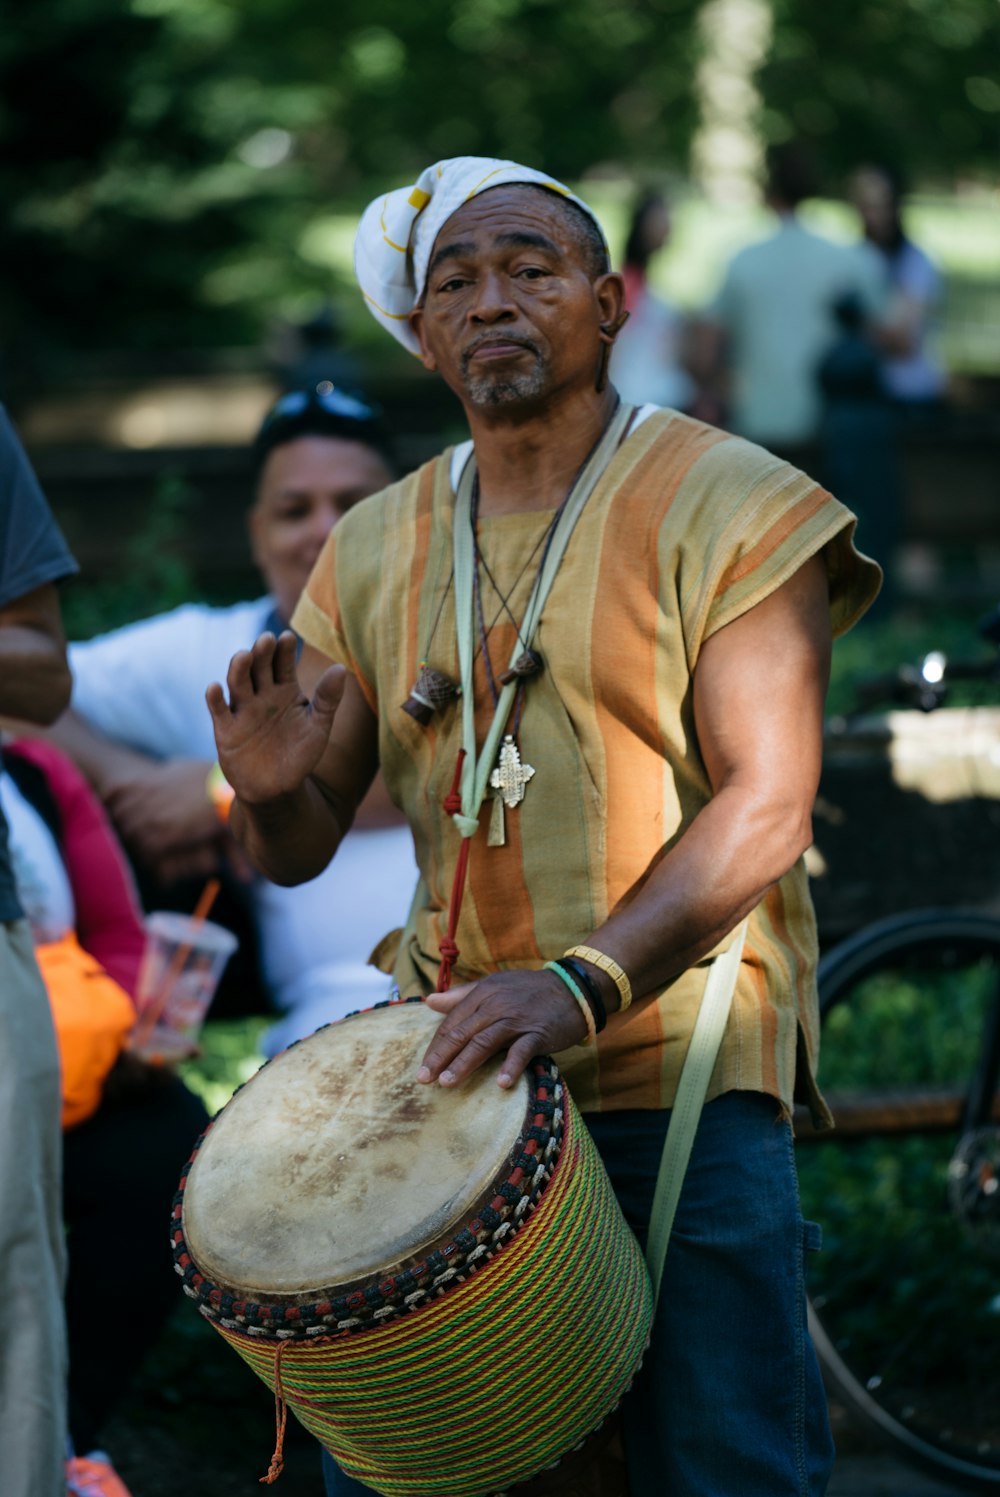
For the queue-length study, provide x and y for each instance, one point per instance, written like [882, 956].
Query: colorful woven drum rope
[492, 1321]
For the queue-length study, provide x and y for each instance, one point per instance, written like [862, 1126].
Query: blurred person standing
[140, 731]
[857, 451]
[646, 364]
[774, 319]
[34, 687]
[914, 381]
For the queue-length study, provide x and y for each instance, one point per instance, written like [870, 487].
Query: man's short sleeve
[32, 549]
[753, 520]
[317, 617]
[335, 607]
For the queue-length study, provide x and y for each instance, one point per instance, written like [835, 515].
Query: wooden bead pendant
[527, 664]
[431, 691]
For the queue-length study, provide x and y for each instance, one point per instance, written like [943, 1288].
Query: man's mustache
[486, 339]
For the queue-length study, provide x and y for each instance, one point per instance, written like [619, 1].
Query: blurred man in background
[760, 343]
[647, 362]
[914, 379]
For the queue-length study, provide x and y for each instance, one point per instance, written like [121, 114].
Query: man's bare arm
[35, 681]
[759, 688]
[299, 749]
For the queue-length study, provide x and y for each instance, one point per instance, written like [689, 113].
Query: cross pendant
[507, 782]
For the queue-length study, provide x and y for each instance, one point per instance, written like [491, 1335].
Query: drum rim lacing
[384, 1296]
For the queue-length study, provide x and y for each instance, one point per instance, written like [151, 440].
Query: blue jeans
[729, 1402]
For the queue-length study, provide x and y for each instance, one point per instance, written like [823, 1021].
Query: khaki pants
[32, 1331]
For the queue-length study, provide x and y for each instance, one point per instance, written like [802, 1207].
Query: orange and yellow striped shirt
[687, 529]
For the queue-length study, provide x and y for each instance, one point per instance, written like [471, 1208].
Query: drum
[438, 1282]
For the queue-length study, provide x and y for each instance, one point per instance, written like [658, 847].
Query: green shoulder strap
[695, 1075]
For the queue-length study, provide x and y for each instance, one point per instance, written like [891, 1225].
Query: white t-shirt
[645, 362]
[43, 885]
[776, 304]
[144, 685]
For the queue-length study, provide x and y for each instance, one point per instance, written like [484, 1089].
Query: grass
[230, 1055]
[905, 1289]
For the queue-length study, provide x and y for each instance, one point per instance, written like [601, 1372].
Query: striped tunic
[687, 530]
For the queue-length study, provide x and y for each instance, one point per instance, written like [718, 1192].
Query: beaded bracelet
[591, 991]
[569, 983]
[610, 966]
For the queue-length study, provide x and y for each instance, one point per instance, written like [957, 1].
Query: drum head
[334, 1163]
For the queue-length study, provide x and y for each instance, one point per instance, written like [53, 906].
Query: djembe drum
[438, 1282]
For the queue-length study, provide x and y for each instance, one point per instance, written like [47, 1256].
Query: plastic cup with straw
[183, 961]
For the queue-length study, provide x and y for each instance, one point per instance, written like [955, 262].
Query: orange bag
[92, 1016]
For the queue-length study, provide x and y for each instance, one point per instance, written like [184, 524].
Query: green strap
[476, 769]
[696, 1073]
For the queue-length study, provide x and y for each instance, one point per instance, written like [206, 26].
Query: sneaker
[93, 1476]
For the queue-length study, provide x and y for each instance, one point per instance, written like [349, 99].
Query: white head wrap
[396, 234]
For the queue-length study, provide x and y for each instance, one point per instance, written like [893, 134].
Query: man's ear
[609, 291]
[416, 320]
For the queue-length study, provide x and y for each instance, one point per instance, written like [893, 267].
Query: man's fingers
[218, 706]
[528, 1013]
[285, 653]
[238, 681]
[463, 1058]
[262, 662]
[328, 694]
[443, 1003]
[454, 1032]
[520, 1055]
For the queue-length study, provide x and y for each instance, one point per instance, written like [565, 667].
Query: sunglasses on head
[325, 397]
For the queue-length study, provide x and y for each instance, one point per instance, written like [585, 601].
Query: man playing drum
[638, 698]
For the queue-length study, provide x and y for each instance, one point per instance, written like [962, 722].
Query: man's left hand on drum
[525, 1013]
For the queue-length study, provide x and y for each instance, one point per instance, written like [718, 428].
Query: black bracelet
[592, 992]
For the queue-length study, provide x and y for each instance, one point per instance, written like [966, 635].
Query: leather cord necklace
[475, 767]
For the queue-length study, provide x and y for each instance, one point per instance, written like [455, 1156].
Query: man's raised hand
[269, 736]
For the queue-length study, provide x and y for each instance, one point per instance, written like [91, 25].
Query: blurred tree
[159, 159]
[915, 83]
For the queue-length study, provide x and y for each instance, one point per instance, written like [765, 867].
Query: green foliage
[908, 82]
[906, 1294]
[162, 161]
[160, 201]
[154, 577]
[877, 646]
[229, 1054]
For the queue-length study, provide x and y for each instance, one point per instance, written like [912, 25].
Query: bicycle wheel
[905, 1305]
